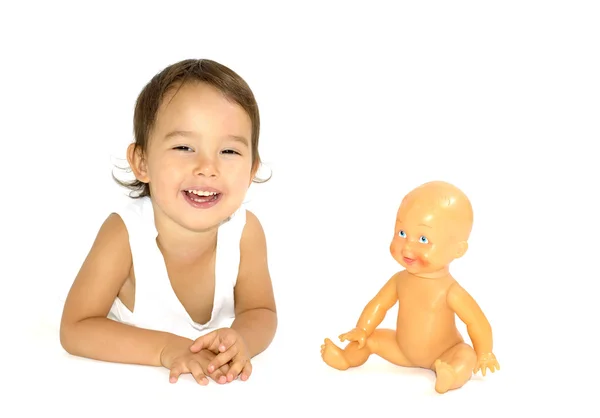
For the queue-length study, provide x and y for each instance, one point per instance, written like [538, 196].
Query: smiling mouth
[202, 196]
[409, 260]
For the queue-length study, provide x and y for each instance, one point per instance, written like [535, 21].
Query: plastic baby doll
[432, 228]
[178, 277]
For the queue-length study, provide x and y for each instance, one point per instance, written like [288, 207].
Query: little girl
[179, 277]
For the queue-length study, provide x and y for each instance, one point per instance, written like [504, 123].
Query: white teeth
[201, 193]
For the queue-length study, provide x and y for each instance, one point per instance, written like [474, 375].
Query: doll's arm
[375, 311]
[478, 327]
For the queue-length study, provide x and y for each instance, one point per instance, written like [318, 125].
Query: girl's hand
[229, 348]
[178, 359]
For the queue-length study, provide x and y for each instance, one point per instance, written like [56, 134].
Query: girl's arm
[255, 311]
[85, 330]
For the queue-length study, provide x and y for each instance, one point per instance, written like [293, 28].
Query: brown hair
[176, 75]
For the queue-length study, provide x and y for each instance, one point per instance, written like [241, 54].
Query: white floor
[290, 377]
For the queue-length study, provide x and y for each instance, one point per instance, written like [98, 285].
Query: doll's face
[424, 238]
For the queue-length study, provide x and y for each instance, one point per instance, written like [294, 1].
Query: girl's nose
[206, 167]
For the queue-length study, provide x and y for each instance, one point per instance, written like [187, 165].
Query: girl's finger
[175, 372]
[246, 371]
[197, 372]
[236, 368]
[222, 358]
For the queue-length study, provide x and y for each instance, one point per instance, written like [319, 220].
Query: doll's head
[432, 228]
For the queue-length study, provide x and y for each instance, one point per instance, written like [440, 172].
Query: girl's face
[198, 161]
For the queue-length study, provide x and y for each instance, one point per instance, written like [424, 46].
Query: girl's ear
[137, 162]
[253, 172]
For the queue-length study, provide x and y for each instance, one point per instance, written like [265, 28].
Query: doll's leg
[454, 368]
[382, 342]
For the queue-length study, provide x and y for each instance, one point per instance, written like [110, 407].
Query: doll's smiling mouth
[409, 260]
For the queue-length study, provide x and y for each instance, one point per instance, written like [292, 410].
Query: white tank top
[156, 305]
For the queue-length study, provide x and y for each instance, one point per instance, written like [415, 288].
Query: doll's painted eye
[402, 234]
[423, 239]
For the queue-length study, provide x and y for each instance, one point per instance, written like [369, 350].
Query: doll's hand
[357, 334]
[486, 361]
[229, 348]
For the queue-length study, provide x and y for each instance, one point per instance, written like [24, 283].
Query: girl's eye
[423, 240]
[183, 148]
[230, 152]
[402, 234]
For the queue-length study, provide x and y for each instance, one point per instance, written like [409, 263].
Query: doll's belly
[422, 339]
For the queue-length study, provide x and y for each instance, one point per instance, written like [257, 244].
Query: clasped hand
[221, 355]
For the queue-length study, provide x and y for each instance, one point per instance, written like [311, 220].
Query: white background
[359, 103]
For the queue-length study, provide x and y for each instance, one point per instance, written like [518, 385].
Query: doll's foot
[445, 376]
[333, 355]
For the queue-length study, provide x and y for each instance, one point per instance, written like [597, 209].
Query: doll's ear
[462, 248]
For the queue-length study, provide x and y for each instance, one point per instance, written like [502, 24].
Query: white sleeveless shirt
[156, 305]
